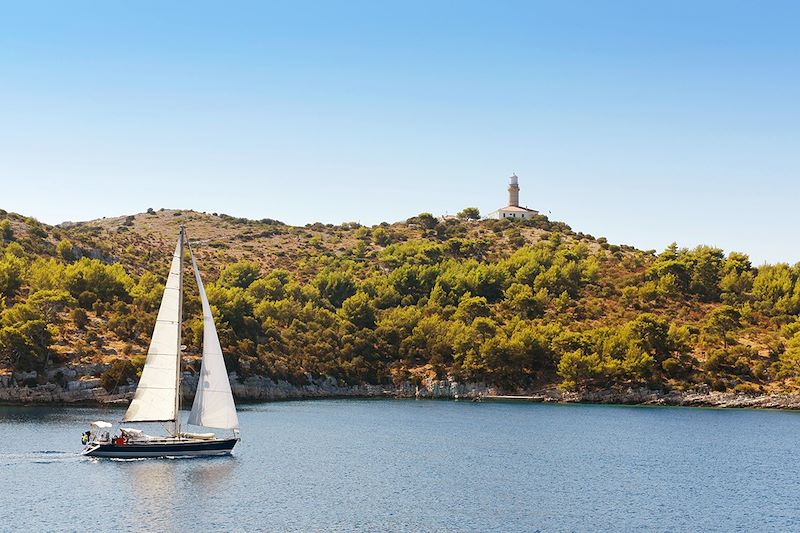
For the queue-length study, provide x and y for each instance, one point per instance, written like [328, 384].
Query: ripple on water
[420, 466]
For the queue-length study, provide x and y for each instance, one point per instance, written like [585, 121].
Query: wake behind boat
[157, 397]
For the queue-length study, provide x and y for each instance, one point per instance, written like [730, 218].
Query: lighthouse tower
[513, 209]
[513, 191]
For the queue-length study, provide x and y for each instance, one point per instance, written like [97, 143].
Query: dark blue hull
[176, 448]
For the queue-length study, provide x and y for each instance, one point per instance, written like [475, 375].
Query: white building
[513, 209]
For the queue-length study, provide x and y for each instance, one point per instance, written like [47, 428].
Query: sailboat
[158, 394]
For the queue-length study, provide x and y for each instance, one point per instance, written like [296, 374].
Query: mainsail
[213, 403]
[155, 398]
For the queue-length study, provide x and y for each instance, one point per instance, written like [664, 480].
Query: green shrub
[120, 371]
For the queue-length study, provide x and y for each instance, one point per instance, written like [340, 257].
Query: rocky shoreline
[75, 385]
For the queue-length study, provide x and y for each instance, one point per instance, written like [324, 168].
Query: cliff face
[61, 385]
[20, 388]
[68, 385]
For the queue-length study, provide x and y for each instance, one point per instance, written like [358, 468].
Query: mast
[180, 329]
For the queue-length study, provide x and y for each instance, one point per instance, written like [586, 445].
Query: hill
[516, 305]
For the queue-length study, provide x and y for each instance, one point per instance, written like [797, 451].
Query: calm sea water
[387, 465]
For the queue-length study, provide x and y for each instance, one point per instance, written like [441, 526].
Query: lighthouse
[513, 210]
[513, 190]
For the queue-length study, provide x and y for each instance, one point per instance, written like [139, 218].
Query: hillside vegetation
[516, 305]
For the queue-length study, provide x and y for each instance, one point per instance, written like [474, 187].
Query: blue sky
[644, 122]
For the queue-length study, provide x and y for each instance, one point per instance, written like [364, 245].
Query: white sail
[213, 403]
[154, 400]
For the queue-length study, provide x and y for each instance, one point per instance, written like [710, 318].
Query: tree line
[513, 305]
